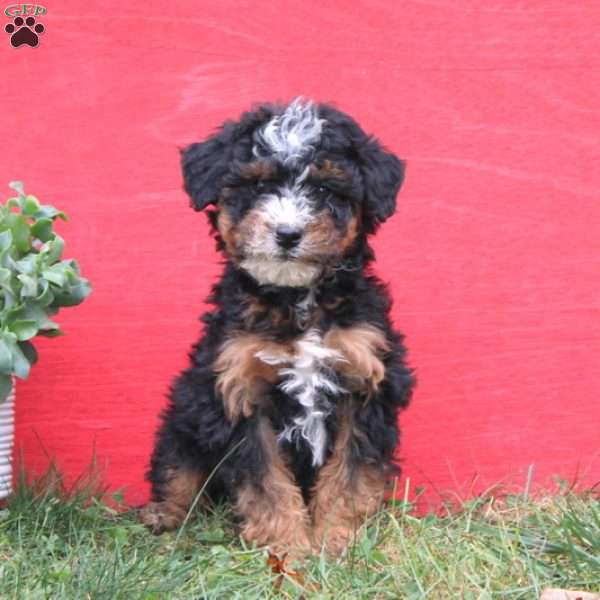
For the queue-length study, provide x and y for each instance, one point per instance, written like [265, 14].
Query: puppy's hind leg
[174, 480]
[176, 476]
[172, 500]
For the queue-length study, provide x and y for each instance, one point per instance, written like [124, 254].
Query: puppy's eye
[323, 191]
[338, 206]
[260, 185]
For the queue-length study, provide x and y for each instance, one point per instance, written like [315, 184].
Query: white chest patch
[308, 377]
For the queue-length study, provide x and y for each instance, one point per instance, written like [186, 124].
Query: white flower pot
[7, 433]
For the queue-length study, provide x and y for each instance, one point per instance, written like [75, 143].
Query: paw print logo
[24, 32]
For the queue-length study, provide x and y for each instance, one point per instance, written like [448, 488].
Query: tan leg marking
[274, 512]
[343, 497]
[363, 347]
[242, 375]
[180, 491]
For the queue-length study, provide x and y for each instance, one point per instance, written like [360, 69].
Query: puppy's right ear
[205, 164]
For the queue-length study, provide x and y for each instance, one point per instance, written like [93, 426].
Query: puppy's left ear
[205, 164]
[383, 175]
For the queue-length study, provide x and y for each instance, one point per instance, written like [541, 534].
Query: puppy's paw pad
[157, 517]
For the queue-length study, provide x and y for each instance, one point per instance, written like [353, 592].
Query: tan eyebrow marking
[328, 170]
[258, 169]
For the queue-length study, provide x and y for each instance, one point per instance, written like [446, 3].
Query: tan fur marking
[258, 169]
[362, 346]
[322, 236]
[274, 513]
[179, 493]
[253, 225]
[327, 170]
[253, 311]
[351, 233]
[256, 311]
[333, 303]
[227, 231]
[342, 498]
[242, 375]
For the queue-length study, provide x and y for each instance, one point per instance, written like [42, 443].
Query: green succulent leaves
[35, 282]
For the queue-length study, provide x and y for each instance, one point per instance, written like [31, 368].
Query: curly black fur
[195, 433]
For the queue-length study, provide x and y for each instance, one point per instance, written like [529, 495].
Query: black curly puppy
[290, 403]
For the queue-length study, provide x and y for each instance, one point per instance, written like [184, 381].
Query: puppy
[290, 403]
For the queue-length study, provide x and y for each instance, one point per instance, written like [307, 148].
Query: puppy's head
[295, 188]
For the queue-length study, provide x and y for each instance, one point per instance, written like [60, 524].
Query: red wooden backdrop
[493, 256]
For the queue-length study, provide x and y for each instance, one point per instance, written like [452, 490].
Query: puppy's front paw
[334, 538]
[161, 516]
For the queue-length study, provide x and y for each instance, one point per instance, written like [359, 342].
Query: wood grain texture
[493, 255]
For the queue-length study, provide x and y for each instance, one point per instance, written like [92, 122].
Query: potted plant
[35, 282]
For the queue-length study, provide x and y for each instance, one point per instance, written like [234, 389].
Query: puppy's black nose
[287, 237]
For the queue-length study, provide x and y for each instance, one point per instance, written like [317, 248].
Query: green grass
[76, 546]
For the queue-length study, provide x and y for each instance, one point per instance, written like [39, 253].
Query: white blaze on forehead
[291, 135]
[291, 206]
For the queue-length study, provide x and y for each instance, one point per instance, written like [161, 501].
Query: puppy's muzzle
[288, 237]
